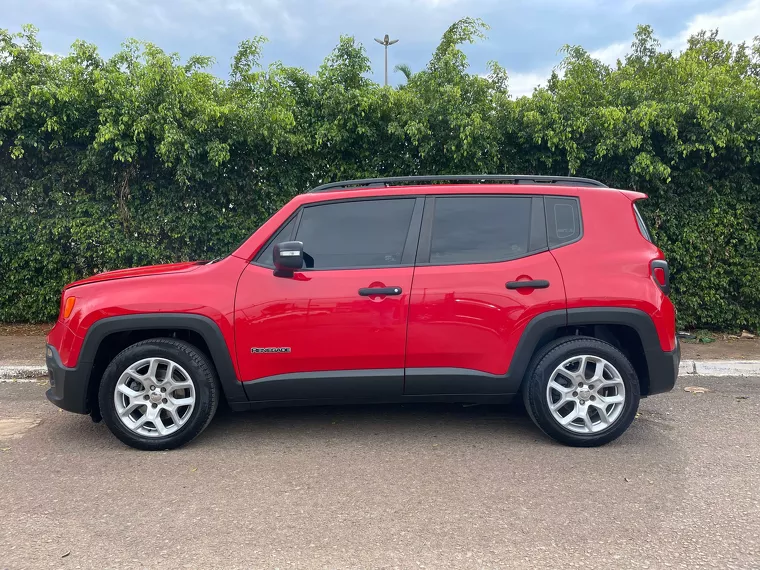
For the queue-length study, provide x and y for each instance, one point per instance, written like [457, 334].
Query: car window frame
[578, 210]
[257, 258]
[536, 232]
[409, 250]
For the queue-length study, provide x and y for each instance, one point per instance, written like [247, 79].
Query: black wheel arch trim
[540, 330]
[202, 325]
[662, 366]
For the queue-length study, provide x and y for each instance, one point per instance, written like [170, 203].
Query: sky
[525, 35]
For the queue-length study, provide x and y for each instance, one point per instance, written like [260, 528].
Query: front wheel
[581, 391]
[158, 394]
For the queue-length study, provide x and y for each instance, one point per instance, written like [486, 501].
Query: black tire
[201, 373]
[540, 370]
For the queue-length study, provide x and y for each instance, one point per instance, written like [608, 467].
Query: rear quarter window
[563, 220]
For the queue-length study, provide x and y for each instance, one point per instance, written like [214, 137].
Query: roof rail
[473, 178]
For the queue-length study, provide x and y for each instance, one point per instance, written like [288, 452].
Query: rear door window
[480, 229]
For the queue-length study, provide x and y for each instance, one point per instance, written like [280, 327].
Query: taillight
[661, 275]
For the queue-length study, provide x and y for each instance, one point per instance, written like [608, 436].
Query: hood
[138, 272]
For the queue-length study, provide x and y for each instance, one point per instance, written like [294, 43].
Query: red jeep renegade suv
[407, 289]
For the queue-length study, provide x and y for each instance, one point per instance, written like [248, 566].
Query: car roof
[460, 178]
[443, 189]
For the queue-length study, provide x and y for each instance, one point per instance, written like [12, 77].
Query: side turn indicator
[68, 307]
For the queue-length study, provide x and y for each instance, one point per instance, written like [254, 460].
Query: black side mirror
[287, 257]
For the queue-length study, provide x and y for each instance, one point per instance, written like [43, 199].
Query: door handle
[369, 291]
[535, 284]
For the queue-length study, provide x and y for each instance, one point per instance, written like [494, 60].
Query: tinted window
[367, 233]
[642, 224]
[265, 257]
[563, 220]
[472, 229]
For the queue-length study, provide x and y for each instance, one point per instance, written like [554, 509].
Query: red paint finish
[463, 316]
[66, 342]
[320, 316]
[137, 272]
[207, 290]
[610, 266]
[447, 316]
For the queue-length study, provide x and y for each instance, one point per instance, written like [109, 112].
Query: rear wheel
[581, 391]
[158, 394]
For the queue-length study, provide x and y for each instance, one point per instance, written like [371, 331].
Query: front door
[336, 329]
[483, 272]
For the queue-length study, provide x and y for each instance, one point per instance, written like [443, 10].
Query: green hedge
[143, 158]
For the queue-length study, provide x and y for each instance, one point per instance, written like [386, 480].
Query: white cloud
[611, 53]
[414, 21]
[436, 3]
[631, 4]
[187, 18]
[523, 83]
[269, 17]
[739, 22]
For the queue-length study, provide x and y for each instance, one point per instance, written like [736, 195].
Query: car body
[419, 291]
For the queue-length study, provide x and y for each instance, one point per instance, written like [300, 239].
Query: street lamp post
[386, 41]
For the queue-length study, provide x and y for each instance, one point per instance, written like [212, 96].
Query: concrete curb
[719, 368]
[17, 372]
[687, 368]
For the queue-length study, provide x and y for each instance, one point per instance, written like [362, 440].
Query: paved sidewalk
[719, 368]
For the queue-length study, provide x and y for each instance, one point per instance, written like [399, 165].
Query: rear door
[336, 329]
[483, 272]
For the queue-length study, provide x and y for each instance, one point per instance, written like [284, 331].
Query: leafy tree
[145, 158]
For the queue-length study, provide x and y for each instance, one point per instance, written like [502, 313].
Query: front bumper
[68, 386]
[663, 369]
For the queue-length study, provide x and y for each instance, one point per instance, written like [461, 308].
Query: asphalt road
[386, 487]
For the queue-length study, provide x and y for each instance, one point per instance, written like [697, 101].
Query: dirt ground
[24, 329]
[722, 349]
[23, 344]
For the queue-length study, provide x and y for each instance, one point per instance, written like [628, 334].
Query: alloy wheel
[154, 397]
[585, 394]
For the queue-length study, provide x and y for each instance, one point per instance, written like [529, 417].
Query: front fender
[71, 386]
